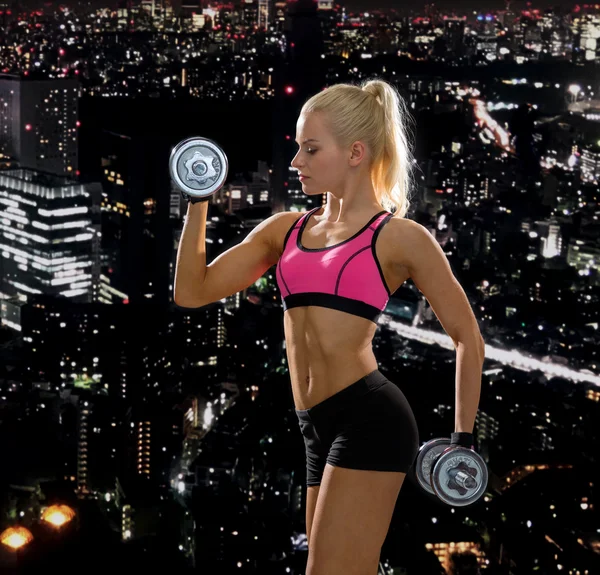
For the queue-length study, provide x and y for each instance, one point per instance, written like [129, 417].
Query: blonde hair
[375, 113]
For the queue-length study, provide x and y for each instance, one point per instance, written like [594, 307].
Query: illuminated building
[48, 239]
[39, 123]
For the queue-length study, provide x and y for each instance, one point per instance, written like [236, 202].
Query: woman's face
[319, 158]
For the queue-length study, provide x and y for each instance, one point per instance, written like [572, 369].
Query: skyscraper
[136, 236]
[49, 239]
[301, 77]
[8, 12]
[39, 123]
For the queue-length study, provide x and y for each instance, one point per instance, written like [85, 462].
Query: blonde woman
[337, 265]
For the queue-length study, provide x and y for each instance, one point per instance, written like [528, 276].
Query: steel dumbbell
[456, 475]
[199, 168]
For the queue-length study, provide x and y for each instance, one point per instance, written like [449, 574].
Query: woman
[337, 265]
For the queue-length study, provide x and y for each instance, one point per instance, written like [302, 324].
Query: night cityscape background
[137, 434]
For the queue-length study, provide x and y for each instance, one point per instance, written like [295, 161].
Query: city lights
[16, 537]
[158, 418]
[58, 515]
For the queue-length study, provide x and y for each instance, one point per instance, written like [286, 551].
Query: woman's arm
[417, 250]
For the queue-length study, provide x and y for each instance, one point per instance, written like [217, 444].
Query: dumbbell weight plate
[459, 476]
[198, 167]
[423, 466]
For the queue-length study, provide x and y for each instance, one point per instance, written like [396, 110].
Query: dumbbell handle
[460, 476]
[198, 167]
[465, 480]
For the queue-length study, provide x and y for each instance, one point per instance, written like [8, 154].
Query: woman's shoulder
[282, 222]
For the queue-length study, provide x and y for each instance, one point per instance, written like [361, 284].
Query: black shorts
[367, 425]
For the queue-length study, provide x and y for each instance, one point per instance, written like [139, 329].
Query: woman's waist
[313, 383]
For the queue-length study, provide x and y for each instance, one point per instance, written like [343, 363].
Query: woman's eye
[309, 150]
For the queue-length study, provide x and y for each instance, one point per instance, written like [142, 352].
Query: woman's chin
[309, 189]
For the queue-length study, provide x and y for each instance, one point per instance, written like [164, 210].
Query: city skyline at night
[138, 433]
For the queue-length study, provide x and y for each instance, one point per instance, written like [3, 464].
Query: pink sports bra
[347, 276]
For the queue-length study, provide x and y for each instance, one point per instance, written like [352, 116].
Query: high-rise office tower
[39, 123]
[49, 239]
[83, 487]
[8, 13]
[137, 240]
[265, 16]
[154, 7]
[301, 78]
[590, 163]
[454, 33]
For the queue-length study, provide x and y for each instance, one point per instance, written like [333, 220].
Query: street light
[58, 515]
[574, 90]
[16, 537]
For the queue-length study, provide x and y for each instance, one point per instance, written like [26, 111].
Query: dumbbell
[199, 168]
[455, 474]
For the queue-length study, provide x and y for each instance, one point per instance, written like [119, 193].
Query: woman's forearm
[469, 364]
